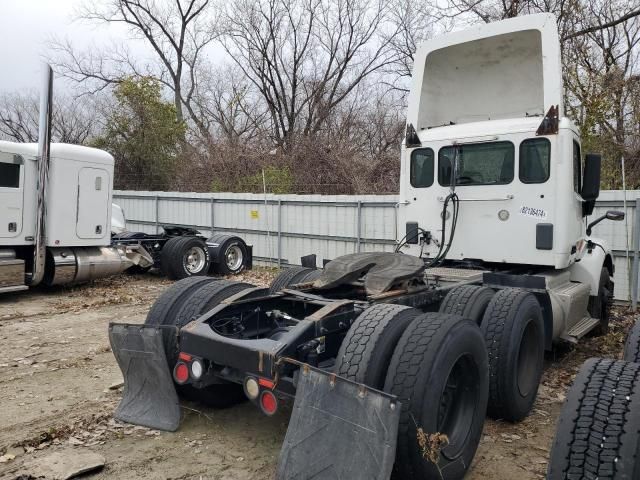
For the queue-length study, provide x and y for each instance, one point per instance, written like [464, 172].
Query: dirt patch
[59, 385]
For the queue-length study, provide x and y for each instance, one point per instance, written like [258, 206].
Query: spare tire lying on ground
[598, 433]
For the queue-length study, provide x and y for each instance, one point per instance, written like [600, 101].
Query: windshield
[478, 164]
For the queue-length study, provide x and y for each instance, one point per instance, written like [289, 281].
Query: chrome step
[15, 288]
[580, 329]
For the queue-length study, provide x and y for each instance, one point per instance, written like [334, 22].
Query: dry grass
[431, 444]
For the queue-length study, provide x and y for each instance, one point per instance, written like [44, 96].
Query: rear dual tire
[468, 301]
[293, 276]
[439, 372]
[181, 303]
[418, 357]
[366, 351]
[230, 254]
[513, 329]
[183, 257]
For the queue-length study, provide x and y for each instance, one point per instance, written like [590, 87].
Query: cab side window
[535, 160]
[9, 175]
[421, 168]
[577, 167]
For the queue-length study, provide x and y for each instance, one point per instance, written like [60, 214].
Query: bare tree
[575, 17]
[177, 32]
[72, 122]
[601, 75]
[305, 57]
[19, 117]
[228, 105]
[414, 23]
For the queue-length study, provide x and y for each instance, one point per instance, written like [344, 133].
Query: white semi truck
[394, 359]
[56, 220]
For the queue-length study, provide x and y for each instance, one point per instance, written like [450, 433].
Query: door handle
[498, 199]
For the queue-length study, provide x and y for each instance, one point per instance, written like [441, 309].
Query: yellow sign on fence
[254, 214]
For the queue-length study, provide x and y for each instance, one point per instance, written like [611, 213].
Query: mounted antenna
[44, 146]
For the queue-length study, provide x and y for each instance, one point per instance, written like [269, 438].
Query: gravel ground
[58, 385]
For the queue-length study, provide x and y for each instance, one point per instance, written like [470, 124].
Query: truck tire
[632, 345]
[597, 433]
[292, 276]
[172, 299]
[183, 257]
[207, 297]
[468, 301]
[230, 253]
[600, 305]
[366, 351]
[440, 374]
[514, 334]
[166, 307]
[311, 276]
[200, 301]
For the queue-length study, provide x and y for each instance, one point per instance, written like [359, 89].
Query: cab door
[93, 203]
[11, 194]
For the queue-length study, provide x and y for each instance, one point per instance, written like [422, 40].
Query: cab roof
[67, 151]
[467, 132]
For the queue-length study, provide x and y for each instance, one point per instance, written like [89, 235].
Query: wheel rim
[528, 360]
[234, 257]
[458, 402]
[194, 260]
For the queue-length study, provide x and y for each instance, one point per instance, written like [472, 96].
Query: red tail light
[268, 402]
[181, 372]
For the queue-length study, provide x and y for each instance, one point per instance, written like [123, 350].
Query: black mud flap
[149, 397]
[339, 430]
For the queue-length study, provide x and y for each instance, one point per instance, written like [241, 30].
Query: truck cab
[80, 181]
[477, 102]
[492, 173]
[518, 192]
[75, 212]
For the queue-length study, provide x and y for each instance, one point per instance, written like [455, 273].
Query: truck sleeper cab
[76, 215]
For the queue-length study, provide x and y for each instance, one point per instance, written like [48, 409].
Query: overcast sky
[25, 26]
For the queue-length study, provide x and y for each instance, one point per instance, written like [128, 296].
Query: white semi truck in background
[56, 220]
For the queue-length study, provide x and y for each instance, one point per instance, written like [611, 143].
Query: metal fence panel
[282, 228]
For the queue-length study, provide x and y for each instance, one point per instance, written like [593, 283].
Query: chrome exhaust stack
[44, 146]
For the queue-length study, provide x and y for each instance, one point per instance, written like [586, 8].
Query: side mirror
[614, 215]
[590, 182]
